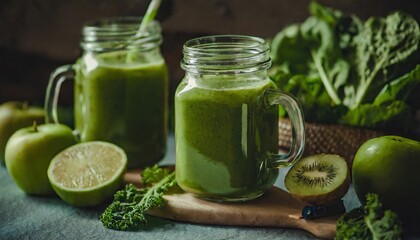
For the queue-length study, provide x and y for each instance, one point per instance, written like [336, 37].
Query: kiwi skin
[326, 198]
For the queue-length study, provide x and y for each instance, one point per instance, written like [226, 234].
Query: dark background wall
[36, 36]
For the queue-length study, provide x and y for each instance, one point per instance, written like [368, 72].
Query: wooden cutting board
[276, 208]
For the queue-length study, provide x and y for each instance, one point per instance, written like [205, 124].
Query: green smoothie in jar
[121, 88]
[124, 103]
[226, 120]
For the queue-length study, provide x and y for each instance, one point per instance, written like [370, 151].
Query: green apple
[29, 152]
[389, 166]
[14, 116]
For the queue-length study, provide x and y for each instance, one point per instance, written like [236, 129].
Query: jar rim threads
[226, 53]
[119, 33]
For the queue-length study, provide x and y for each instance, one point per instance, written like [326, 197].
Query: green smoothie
[123, 101]
[223, 139]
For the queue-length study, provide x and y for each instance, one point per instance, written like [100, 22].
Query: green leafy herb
[383, 43]
[374, 115]
[129, 206]
[369, 222]
[340, 66]
[399, 88]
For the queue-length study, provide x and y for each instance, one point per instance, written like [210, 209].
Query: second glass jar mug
[120, 90]
[226, 120]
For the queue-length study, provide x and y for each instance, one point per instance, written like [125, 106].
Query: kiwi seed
[329, 170]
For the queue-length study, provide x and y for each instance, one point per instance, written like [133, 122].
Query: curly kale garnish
[130, 204]
[369, 222]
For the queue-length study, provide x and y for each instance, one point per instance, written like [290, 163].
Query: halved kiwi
[320, 179]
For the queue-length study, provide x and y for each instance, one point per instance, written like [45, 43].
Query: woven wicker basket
[325, 138]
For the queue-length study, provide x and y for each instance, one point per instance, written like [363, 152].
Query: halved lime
[87, 173]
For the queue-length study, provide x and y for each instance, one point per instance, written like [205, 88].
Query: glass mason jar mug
[226, 120]
[120, 90]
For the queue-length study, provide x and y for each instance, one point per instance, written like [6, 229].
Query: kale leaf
[389, 106]
[369, 222]
[339, 66]
[129, 206]
[381, 46]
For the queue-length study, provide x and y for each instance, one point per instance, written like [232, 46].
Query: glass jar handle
[295, 113]
[57, 78]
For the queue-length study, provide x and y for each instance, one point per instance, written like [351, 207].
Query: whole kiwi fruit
[321, 179]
